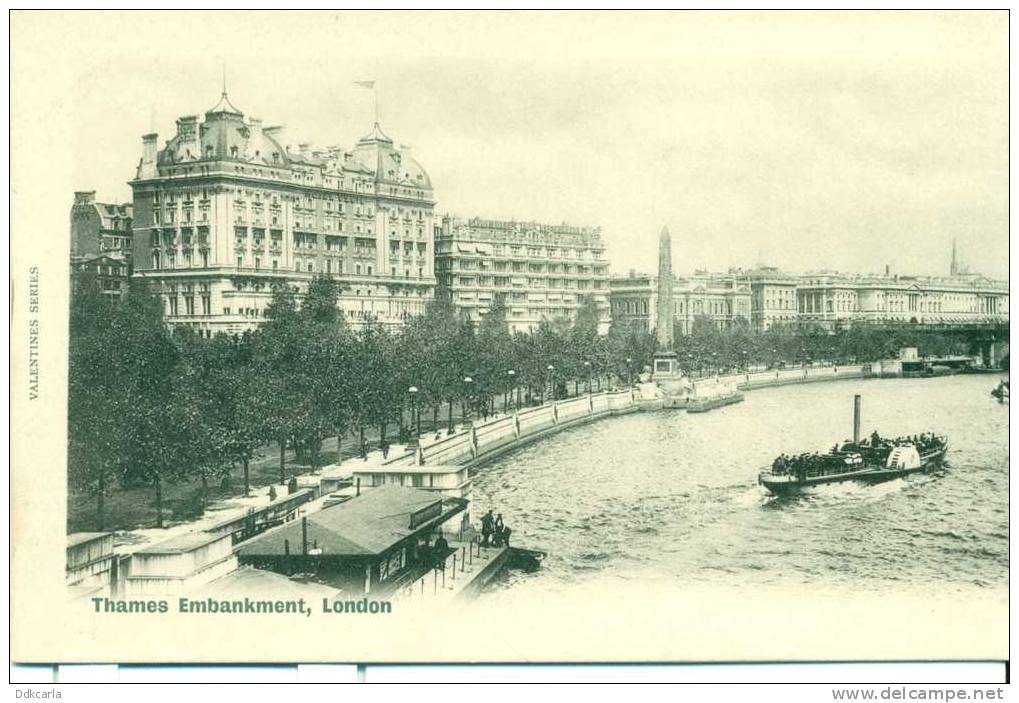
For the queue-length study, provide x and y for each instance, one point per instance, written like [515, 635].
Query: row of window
[169, 238]
[187, 260]
[173, 309]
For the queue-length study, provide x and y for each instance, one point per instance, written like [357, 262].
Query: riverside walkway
[474, 442]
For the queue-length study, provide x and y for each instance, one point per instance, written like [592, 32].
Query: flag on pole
[370, 85]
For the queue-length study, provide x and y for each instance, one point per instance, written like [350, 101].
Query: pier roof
[181, 543]
[366, 525]
[408, 469]
[76, 538]
[258, 583]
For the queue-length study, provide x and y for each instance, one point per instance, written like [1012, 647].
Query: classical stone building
[541, 271]
[837, 300]
[772, 297]
[100, 244]
[224, 212]
[722, 298]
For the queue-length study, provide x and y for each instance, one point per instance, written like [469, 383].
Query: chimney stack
[84, 197]
[147, 168]
[856, 419]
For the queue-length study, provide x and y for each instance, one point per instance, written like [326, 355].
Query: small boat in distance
[873, 460]
[1001, 392]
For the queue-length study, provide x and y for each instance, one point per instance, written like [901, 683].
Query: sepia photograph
[509, 337]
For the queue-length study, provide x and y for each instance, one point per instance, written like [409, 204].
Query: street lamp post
[629, 372]
[509, 396]
[587, 371]
[551, 381]
[467, 397]
[415, 416]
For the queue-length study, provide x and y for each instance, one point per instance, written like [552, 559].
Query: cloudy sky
[807, 141]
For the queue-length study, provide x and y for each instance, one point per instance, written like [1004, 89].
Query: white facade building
[224, 212]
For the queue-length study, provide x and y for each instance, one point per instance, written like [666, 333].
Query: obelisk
[664, 363]
[664, 322]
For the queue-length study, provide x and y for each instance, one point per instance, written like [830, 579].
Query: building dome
[223, 135]
[389, 164]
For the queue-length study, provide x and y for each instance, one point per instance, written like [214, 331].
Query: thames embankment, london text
[242, 606]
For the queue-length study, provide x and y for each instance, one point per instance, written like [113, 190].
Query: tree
[492, 346]
[325, 372]
[278, 364]
[319, 304]
[145, 361]
[97, 402]
[630, 347]
[245, 423]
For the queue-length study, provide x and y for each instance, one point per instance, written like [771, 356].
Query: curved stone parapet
[484, 441]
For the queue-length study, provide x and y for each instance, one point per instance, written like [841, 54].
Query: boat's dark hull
[867, 475]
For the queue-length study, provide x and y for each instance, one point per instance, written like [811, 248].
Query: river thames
[673, 498]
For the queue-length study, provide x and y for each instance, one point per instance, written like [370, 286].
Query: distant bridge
[988, 340]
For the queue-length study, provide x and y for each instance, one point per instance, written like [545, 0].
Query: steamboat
[872, 460]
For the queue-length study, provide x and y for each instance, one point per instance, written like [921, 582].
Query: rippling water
[673, 496]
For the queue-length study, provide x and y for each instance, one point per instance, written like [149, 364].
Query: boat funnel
[856, 419]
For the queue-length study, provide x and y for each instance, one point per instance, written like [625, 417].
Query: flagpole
[375, 86]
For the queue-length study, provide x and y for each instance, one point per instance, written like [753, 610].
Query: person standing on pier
[486, 528]
[440, 549]
[499, 527]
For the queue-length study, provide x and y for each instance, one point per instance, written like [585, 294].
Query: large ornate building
[766, 297]
[541, 272]
[836, 300]
[224, 212]
[722, 298]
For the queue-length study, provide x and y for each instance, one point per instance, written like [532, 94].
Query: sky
[802, 140]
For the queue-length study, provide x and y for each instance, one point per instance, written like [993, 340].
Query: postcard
[509, 336]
